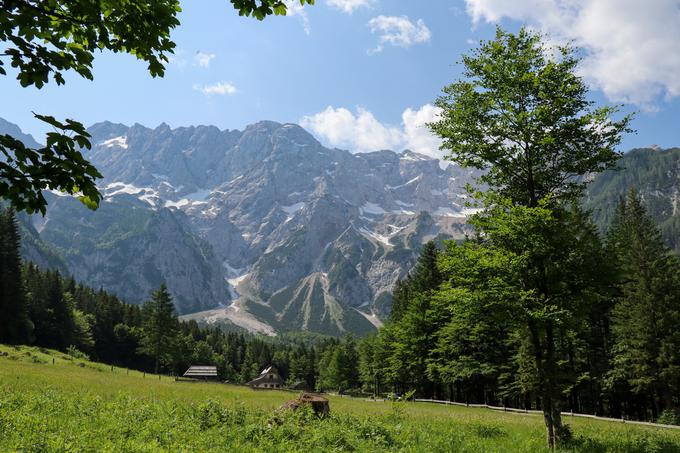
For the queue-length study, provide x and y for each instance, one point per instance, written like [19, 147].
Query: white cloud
[631, 45]
[418, 137]
[348, 6]
[398, 31]
[177, 58]
[363, 132]
[203, 59]
[294, 8]
[221, 88]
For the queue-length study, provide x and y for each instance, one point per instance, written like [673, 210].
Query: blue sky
[362, 74]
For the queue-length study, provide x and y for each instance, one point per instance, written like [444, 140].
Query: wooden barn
[201, 372]
[268, 379]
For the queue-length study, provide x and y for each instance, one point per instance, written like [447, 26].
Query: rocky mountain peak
[264, 227]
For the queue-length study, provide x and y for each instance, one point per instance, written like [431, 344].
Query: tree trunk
[545, 366]
[551, 403]
[552, 415]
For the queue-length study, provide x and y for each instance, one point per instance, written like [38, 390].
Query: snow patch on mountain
[115, 142]
[373, 235]
[371, 209]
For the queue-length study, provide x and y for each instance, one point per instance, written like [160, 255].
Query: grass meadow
[75, 405]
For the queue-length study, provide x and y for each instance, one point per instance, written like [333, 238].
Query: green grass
[74, 405]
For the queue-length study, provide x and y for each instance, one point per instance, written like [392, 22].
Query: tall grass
[75, 405]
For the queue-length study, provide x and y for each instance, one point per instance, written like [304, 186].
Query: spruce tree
[400, 298]
[15, 326]
[60, 327]
[647, 315]
[160, 327]
[425, 275]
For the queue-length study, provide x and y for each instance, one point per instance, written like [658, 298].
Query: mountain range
[267, 230]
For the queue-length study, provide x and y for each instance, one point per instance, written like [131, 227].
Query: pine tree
[647, 315]
[15, 326]
[400, 298]
[160, 327]
[59, 327]
[425, 275]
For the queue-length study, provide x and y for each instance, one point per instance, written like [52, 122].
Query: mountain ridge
[269, 230]
[278, 213]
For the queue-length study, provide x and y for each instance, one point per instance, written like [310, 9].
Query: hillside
[79, 405]
[655, 174]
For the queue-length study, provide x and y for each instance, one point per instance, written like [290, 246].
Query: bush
[76, 354]
[669, 417]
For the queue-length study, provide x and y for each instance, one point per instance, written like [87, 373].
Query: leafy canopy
[43, 39]
[522, 114]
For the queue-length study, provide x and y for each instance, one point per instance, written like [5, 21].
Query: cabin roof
[201, 371]
[269, 369]
[266, 380]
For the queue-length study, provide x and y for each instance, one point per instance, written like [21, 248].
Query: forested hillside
[453, 332]
[47, 309]
[655, 174]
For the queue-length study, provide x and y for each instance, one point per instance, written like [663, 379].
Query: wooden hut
[268, 379]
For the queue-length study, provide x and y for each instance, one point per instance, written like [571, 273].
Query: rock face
[264, 228]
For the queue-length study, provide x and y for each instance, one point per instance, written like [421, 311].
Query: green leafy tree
[82, 329]
[471, 343]
[160, 328]
[42, 40]
[522, 115]
[338, 366]
[412, 339]
[646, 352]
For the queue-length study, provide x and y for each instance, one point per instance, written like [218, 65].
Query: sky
[363, 74]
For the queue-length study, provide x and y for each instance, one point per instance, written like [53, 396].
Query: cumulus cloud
[418, 137]
[631, 46]
[203, 59]
[361, 131]
[294, 8]
[398, 31]
[348, 6]
[220, 88]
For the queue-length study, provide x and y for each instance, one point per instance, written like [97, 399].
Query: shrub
[76, 354]
[669, 417]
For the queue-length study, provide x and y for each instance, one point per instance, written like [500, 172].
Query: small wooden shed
[268, 379]
[201, 372]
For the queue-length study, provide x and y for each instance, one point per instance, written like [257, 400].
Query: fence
[528, 411]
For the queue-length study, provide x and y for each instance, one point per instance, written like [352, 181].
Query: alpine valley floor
[50, 401]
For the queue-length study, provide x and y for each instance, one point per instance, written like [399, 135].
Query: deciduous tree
[522, 115]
